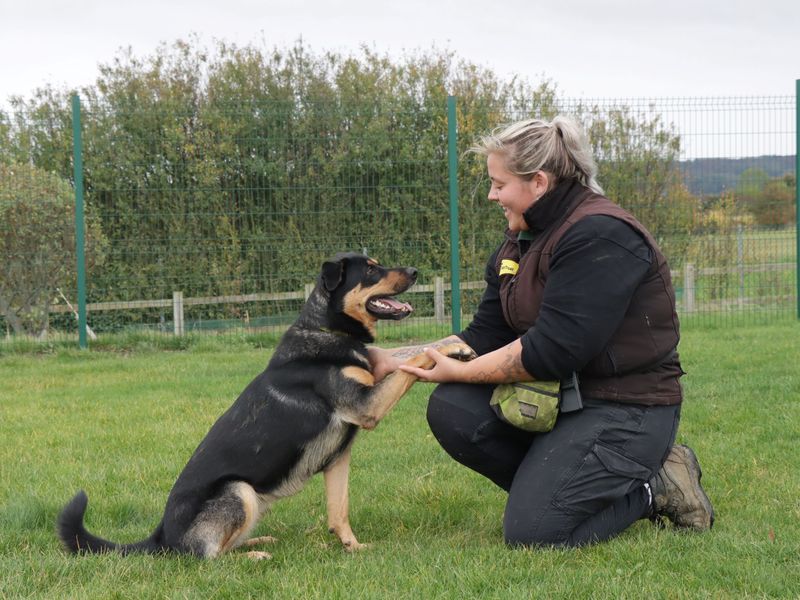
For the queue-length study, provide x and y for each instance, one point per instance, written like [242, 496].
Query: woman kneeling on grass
[580, 287]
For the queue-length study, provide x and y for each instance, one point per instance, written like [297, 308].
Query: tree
[240, 169]
[771, 201]
[37, 243]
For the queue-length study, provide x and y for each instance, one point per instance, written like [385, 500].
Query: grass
[121, 424]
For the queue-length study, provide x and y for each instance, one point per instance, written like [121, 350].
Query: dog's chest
[317, 454]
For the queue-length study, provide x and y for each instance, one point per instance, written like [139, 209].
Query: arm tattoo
[508, 370]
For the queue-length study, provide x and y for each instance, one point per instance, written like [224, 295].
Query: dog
[297, 418]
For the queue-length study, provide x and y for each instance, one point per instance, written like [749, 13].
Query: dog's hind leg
[336, 495]
[225, 521]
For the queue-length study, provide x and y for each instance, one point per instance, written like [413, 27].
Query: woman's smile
[513, 194]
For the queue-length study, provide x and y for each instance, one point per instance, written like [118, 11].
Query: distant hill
[712, 175]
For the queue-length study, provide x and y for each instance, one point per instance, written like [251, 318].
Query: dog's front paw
[347, 537]
[459, 351]
[354, 546]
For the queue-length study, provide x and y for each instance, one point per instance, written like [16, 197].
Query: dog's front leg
[388, 392]
[378, 399]
[336, 495]
[383, 398]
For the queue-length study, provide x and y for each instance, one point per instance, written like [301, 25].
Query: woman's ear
[540, 183]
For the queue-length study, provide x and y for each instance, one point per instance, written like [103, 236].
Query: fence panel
[712, 178]
[237, 208]
[217, 217]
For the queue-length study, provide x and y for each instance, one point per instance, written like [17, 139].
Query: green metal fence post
[797, 190]
[455, 259]
[77, 149]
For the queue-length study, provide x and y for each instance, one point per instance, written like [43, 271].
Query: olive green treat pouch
[532, 406]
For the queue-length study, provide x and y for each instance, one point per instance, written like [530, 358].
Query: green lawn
[121, 425]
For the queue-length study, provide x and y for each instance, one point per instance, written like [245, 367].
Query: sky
[588, 49]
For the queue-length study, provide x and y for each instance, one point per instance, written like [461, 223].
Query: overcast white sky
[600, 48]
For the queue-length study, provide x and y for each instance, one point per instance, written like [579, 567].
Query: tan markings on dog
[395, 280]
[356, 299]
[355, 306]
[252, 511]
[336, 496]
[362, 376]
[215, 531]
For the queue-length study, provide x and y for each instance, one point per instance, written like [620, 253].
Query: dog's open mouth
[386, 307]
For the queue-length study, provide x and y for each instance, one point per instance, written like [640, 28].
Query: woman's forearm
[503, 365]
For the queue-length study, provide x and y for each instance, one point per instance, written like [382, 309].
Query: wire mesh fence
[216, 218]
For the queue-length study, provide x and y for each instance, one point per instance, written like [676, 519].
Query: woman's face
[512, 193]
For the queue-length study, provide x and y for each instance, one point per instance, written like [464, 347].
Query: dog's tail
[79, 541]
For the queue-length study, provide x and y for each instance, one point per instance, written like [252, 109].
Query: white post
[177, 312]
[688, 288]
[307, 290]
[740, 261]
[438, 299]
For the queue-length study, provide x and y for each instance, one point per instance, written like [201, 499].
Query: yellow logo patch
[508, 267]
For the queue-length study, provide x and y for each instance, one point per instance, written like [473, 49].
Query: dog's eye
[371, 270]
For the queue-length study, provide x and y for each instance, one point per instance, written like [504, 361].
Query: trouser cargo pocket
[604, 475]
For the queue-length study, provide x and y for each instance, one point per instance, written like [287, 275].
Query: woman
[577, 286]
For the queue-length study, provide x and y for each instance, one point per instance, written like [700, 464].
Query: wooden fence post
[177, 312]
[438, 299]
[688, 288]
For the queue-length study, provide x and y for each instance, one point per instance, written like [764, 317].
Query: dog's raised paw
[459, 351]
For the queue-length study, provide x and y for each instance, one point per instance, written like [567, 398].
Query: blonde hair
[558, 147]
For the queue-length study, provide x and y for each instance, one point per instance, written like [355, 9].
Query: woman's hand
[382, 361]
[385, 362]
[503, 365]
[444, 368]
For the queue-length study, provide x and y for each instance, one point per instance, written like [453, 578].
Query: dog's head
[361, 292]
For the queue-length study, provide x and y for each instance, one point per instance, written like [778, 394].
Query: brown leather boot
[677, 493]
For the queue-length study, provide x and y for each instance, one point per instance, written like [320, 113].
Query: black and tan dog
[297, 418]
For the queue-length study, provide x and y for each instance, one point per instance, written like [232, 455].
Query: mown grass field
[121, 425]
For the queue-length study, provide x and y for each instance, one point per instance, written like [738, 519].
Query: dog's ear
[332, 274]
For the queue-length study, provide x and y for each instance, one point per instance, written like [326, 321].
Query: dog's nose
[412, 273]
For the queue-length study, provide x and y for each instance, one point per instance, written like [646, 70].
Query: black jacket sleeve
[488, 330]
[594, 271]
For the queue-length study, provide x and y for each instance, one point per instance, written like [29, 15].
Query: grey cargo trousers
[581, 483]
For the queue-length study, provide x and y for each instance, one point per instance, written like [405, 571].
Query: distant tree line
[713, 176]
[240, 169]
